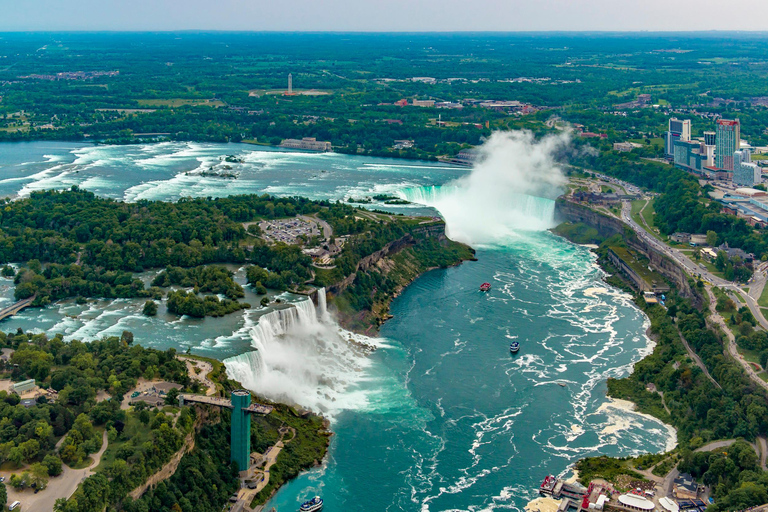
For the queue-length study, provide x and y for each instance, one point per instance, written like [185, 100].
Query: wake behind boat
[312, 505]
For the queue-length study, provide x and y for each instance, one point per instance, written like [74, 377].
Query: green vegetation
[183, 303]
[210, 279]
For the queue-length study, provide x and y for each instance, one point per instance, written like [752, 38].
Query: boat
[514, 347]
[312, 505]
[485, 287]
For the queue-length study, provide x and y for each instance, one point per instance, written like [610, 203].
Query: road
[694, 269]
[62, 486]
[732, 349]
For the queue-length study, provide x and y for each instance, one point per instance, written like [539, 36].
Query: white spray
[511, 188]
[303, 357]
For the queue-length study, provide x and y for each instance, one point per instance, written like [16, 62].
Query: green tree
[150, 308]
[711, 238]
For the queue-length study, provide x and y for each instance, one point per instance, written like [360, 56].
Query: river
[441, 416]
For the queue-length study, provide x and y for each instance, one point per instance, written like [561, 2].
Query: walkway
[62, 486]
[731, 347]
[697, 359]
[202, 377]
[246, 496]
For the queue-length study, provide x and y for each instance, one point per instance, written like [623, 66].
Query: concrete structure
[745, 173]
[709, 147]
[466, 157]
[307, 143]
[690, 156]
[242, 408]
[625, 146]
[240, 445]
[423, 103]
[685, 487]
[22, 387]
[679, 130]
[290, 84]
[680, 238]
[634, 502]
[727, 142]
[162, 388]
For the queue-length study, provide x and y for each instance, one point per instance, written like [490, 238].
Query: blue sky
[384, 15]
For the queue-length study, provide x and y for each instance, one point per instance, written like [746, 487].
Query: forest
[228, 87]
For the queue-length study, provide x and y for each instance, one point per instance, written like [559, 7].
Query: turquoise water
[440, 416]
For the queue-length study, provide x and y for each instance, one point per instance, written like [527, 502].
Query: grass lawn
[763, 300]
[749, 355]
[136, 433]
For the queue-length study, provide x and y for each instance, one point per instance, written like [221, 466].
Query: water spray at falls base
[511, 188]
[303, 357]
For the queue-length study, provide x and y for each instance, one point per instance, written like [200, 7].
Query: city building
[709, 147]
[423, 103]
[727, 142]
[685, 487]
[625, 146]
[308, 143]
[690, 156]
[679, 129]
[466, 157]
[745, 173]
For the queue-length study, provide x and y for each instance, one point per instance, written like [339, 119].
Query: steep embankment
[605, 227]
[361, 300]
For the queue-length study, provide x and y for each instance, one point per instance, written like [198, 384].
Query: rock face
[610, 226]
[377, 258]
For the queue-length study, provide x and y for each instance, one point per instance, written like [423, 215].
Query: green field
[763, 300]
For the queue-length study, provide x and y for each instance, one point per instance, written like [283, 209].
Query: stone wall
[610, 226]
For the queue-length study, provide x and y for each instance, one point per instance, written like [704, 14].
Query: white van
[16, 504]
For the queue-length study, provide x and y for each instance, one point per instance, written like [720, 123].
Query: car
[2, 479]
[13, 506]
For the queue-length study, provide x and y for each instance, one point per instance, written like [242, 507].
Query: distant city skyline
[383, 16]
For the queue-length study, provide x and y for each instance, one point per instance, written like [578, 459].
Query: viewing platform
[215, 401]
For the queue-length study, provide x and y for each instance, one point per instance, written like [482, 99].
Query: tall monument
[290, 84]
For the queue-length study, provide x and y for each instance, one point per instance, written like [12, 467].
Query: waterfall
[303, 357]
[322, 306]
[509, 190]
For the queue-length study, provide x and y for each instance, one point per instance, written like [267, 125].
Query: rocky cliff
[566, 211]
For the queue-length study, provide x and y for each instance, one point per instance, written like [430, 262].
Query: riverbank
[382, 277]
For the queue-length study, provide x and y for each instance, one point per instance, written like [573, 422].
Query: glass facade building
[240, 441]
[727, 140]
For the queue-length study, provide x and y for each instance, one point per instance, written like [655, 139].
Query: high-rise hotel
[727, 142]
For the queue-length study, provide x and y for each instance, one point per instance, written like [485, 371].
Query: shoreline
[548, 504]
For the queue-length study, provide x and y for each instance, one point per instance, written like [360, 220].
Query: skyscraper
[679, 129]
[727, 139]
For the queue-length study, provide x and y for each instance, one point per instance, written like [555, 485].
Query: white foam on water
[303, 357]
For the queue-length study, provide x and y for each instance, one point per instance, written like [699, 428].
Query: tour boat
[312, 505]
[514, 347]
[485, 287]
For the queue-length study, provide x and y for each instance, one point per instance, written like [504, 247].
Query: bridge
[15, 308]
[242, 408]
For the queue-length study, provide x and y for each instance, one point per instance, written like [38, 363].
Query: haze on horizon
[384, 15]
